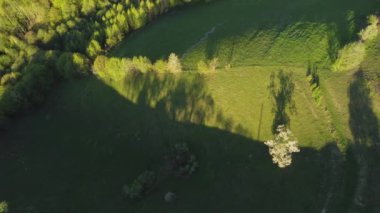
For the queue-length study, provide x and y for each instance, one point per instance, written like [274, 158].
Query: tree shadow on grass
[365, 131]
[281, 88]
[183, 98]
[76, 153]
[363, 121]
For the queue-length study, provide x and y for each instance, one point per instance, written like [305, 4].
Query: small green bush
[160, 66]
[369, 33]
[210, 66]
[141, 63]
[94, 48]
[140, 186]
[373, 20]
[71, 65]
[180, 161]
[202, 67]
[3, 207]
[350, 57]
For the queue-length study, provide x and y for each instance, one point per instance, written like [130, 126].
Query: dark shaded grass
[75, 154]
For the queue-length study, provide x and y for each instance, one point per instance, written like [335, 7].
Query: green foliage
[114, 69]
[3, 207]
[174, 64]
[371, 31]
[350, 57]
[71, 65]
[137, 17]
[141, 186]
[373, 20]
[160, 66]
[211, 66]
[10, 78]
[202, 67]
[141, 63]
[180, 161]
[31, 89]
[94, 49]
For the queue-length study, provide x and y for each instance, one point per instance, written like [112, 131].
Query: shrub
[369, 33]
[93, 48]
[210, 66]
[3, 207]
[213, 64]
[180, 161]
[140, 186]
[160, 66]
[174, 64]
[282, 147]
[372, 20]
[71, 65]
[202, 67]
[31, 89]
[141, 63]
[350, 57]
[10, 78]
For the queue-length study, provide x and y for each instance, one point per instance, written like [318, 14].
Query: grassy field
[91, 137]
[90, 160]
[252, 32]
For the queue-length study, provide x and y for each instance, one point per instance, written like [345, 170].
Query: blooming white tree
[282, 147]
[174, 64]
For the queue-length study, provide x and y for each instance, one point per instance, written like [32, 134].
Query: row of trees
[115, 69]
[42, 41]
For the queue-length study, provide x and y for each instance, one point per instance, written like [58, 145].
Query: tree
[282, 147]
[93, 48]
[174, 64]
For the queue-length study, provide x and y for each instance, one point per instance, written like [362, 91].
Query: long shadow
[76, 153]
[183, 98]
[281, 88]
[365, 131]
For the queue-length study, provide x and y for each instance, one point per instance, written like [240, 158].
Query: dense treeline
[42, 41]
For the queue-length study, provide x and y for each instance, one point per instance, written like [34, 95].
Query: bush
[3, 207]
[93, 48]
[160, 66]
[140, 186]
[174, 64]
[141, 63]
[71, 65]
[369, 33]
[210, 66]
[180, 161]
[350, 57]
[31, 89]
[202, 67]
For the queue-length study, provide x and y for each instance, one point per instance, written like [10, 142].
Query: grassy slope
[96, 140]
[252, 32]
